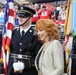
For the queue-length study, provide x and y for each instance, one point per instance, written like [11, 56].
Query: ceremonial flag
[70, 22]
[68, 49]
[67, 26]
[7, 33]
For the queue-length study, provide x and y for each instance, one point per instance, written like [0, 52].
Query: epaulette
[15, 29]
[34, 33]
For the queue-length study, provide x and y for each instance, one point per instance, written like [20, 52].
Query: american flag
[68, 50]
[7, 33]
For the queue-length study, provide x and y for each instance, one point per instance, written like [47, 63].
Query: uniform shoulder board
[15, 29]
[34, 33]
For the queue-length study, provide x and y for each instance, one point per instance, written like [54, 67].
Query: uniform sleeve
[36, 45]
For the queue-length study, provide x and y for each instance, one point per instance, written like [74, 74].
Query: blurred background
[45, 9]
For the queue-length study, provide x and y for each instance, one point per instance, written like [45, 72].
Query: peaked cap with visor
[24, 12]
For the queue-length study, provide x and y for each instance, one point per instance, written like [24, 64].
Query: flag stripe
[10, 26]
[11, 20]
[11, 12]
[8, 43]
[7, 33]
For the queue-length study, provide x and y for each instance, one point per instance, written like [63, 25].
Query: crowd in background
[51, 10]
[48, 10]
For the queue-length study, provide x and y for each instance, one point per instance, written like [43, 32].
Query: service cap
[25, 11]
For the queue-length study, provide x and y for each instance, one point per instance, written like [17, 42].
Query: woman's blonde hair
[50, 27]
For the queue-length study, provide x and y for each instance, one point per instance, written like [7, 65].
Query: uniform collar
[25, 30]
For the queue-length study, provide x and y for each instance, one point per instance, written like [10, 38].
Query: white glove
[18, 66]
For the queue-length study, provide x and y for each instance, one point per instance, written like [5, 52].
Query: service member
[24, 46]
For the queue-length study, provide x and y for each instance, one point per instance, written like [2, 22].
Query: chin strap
[24, 22]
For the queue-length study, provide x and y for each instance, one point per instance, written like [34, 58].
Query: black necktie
[23, 32]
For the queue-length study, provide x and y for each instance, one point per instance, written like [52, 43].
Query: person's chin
[41, 39]
[20, 24]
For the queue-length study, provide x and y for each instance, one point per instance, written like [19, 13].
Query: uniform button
[30, 30]
[20, 49]
[20, 43]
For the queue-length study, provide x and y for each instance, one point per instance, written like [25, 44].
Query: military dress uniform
[24, 47]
